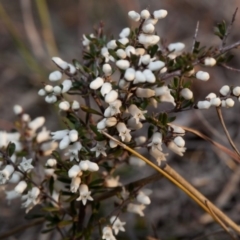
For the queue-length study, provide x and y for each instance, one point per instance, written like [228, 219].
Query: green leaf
[64, 223]
[90, 110]
[47, 230]
[78, 65]
[171, 119]
[51, 185]
[153, 50]
[150, 131]
[10, 149]
[50, 209]
[164, 119]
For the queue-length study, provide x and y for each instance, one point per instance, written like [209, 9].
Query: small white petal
[160, 14]
[55, 76]
[59, 62]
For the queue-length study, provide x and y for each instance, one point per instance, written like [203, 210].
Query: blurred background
[31, 32]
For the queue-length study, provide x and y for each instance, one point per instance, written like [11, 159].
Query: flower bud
[48, 88]
[17, 109]
[204, 76]
[73, 135]
[123, 64]
[75, 105]
[130, 50]
[8, 171]
[72, 70]
[176, 47]
[97, 83]
[145, 14]
[74, 171]
[107, 69]
[150, 77]
[110, 122]
[154, 66]
[186, 93]
[140, 51]
[121, 53]
[236, 91]
[129, 74]
[134, 16]
[229, 103]
[216, 102]
[160, 14]
[111, 44]
[83, 165]
[209, 61]
[51, 162]
[203, 104]
[55, 76]
[102, 124]
[148, 40]
[51, 99]
[179, 141]
[75, 183]
[125, 33]
[143, 198]
[21, 186]
[106, 88]
[123, 41]
[139, 77]
[145, 92]
[41, 92]
[67, 84]
[36, 123]
[224, 90]
[64, 105]
[111, 96]
[57, 90]
[64, 142]
[145, 59]
[60, 63]
[148, 28]
[210, 96]
[123, 84]
[92, 166]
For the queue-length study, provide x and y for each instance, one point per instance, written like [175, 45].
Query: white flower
[136, 208]
[156, 141]
[72, 70]
[48, 88]
[134, 16]
[124, 132]
[20, 187]
[130, 50]
[159, 14]
[17, 109]
[100, 149]
[96, 83]
[145, 14]
[105, 54]
[204, 76]
[143, 198]
[113, 109]
[176, 129]
[149, 76]
[129, 74]
[125, 33]
[203, 104]
[117, 225]
[140, 51]
[84, 193]
[123, 41]
[107, 69]
[65, 105]
[6, 173]
[75, 183]
[26, 165]
[176, 47]
[106, 88]
[209, 61]
[48, 147]
[64, 143]
[139, 77]
[73, 150]
[58, 135]
[73, 135]
[121, 53]
[41, 92]
[31, 199]
[158, 154]
[216, 102]
[186, 93]
[112, 44]
[165, 95]
[176, 149]
[110, 122]
[75, 105]
[224, 90]
[74, 171]
[236, 91]
[123, 64]
[108, 234]
[60, 63]
[145, 92]
[148, 40]
[155, 66]
[136, 113]
[51, 99]
[229, 103]
[111, 96]
[42, 136]
[67, 84]
[112, 182]
[55, 76]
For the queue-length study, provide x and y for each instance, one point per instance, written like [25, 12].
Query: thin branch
[229, 47]
[229, 28]
[172, 74]
[21, 228]
[195, 36]
[220, 116]
[230, 68]
[181, 183]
